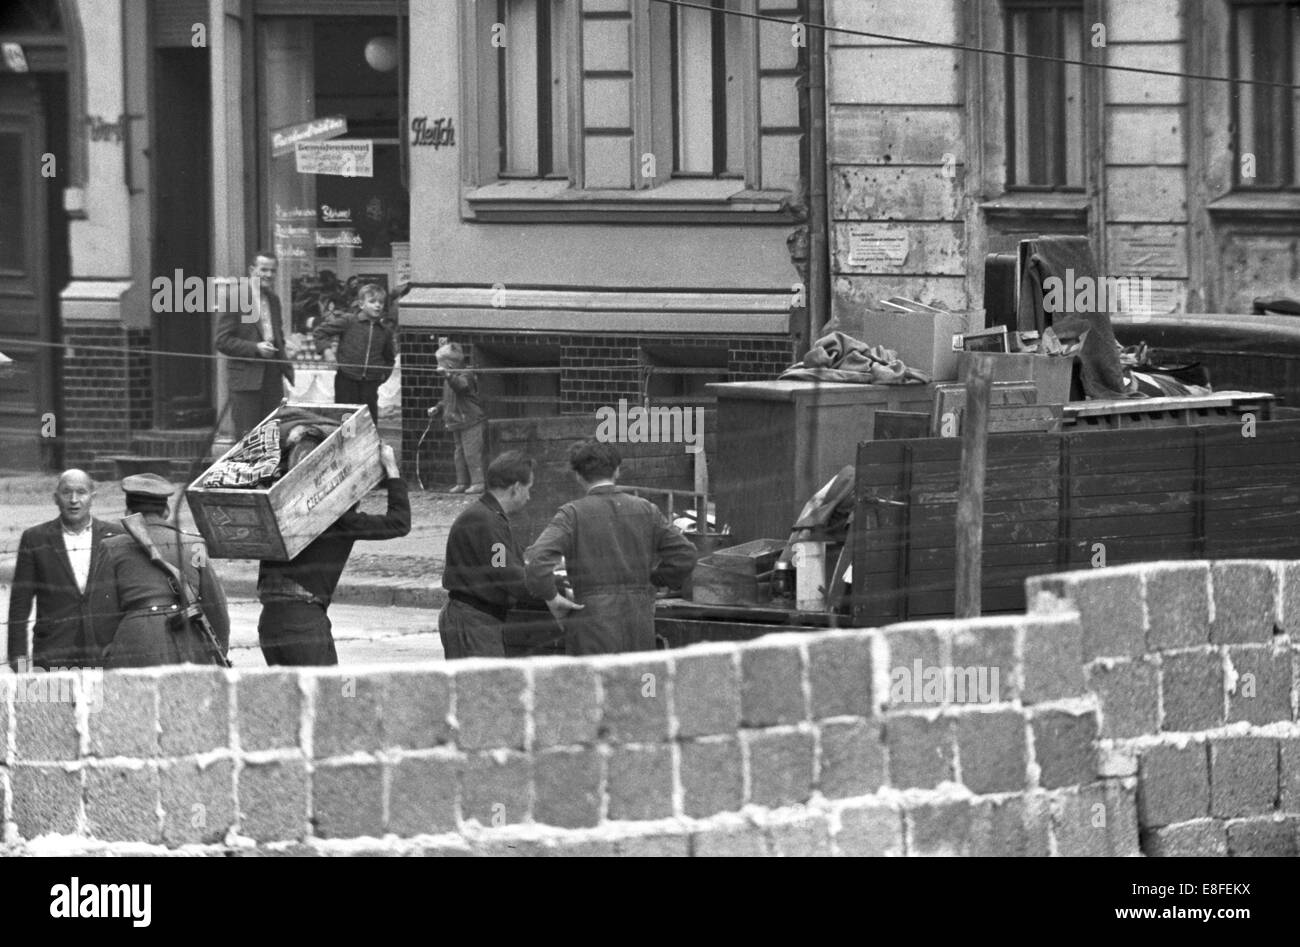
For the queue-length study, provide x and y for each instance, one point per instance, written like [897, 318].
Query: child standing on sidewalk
[462, 414]
[367, 349]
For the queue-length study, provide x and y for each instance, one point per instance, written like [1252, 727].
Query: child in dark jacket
[462, 415]
[367, 349]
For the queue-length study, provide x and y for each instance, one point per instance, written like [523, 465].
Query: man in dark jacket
[54, 565]
[616, 547]
[256, 364]
[295, 628]
[484, 571]
[137, 611]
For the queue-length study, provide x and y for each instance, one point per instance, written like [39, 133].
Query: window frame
[1291, 180]
[667, 198]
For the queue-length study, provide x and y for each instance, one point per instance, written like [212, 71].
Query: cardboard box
[923, 340]
[279, 522]
[1050, 374]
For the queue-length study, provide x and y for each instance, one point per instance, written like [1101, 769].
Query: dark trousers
[296, 634]
[468, 633]
[469, 454]
[248, 408]
[350, 391]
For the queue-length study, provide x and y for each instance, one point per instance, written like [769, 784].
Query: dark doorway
[182, 224]
[29, 422]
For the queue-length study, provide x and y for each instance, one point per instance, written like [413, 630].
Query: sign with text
[283, 140]
[869, 246]
[348, 159]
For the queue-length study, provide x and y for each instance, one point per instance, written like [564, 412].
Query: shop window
[520, 386]
[678, 374]
[1264, 46]
[338, 212]
[1045, 118]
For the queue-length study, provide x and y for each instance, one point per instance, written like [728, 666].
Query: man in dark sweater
[484, 571]
[295, 628]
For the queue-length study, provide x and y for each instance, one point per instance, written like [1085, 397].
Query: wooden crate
[737, 575]
[280, 522]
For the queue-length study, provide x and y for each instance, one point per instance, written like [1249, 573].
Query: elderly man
[617, 547]
[256, 364]
[55, 560]
[139, 614]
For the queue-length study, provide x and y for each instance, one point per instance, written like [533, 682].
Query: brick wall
[595, 370]
[106, 392]
[1136, 710]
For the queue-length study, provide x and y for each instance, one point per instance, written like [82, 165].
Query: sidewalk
[404, 572]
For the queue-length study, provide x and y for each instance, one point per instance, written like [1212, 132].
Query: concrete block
[43, 730]
[1053, 659]
[990, 651]
[198, 802]
[269, 710]
[1064, 746]
[490, 708]
[706, 694]
[712, 775]
[1173, 785]
[122, 804]
[1243, 776]
[1178, 605]
[494, 788]
[1192, 687]
[417, 709]
[194, 710]
[807, 836]
[771, 689]
[940, 828]
[1245, 601]
[921, 751]
[273, 800]
[656, 845]
[780, 768]
[869, 830]
[635, 705]
[348, 800]
[1262, 694]
[853, 758]
[422, 795]
[566, 705]
[908, 644]
[127, 723]
[567, 787]
[1109, 602]
[1007, 827]
[991, 747]
[640, 782]
[729, 841]
[1129, 695]
[1196, 839]
[46, 800]
[839, 670]
[1262, 837]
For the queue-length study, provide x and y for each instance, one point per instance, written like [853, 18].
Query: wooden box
[280, 522]
[737, 575]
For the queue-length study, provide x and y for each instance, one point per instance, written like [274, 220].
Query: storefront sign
[283, 140]
[344, 237]
[335, 215]
[15, 58]
[349, 159]
[294, 213]
[290, 231]
[437, 133]
[868, 247]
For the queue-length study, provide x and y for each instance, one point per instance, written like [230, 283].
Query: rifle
[191, 611]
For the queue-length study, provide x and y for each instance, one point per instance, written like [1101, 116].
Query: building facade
[601, 198]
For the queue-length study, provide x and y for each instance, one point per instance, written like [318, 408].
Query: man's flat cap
[147, 485]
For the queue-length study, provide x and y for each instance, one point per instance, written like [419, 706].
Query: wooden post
[970, 495]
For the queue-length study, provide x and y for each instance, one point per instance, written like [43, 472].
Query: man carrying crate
[294, 628]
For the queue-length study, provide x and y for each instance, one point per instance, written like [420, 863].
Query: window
[1264, 46]
[531, 390]
[1045, 115]
[708, 119]
[676, 375]
[532, 89]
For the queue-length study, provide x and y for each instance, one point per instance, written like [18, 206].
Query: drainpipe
[819, 271]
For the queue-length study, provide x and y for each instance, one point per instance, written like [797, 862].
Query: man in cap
[140, 612]
[254, 345]
[294, 628]
[55, 560]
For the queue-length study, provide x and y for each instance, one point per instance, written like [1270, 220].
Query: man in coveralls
[617, 547]
[295, 628]
[137, 613]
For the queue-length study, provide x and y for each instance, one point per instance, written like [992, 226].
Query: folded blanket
[254, 460]
[842, 358]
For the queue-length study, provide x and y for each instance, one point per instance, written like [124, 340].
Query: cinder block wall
[1146, 709]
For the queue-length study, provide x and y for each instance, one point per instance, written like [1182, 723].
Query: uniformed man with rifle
[156, 597]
